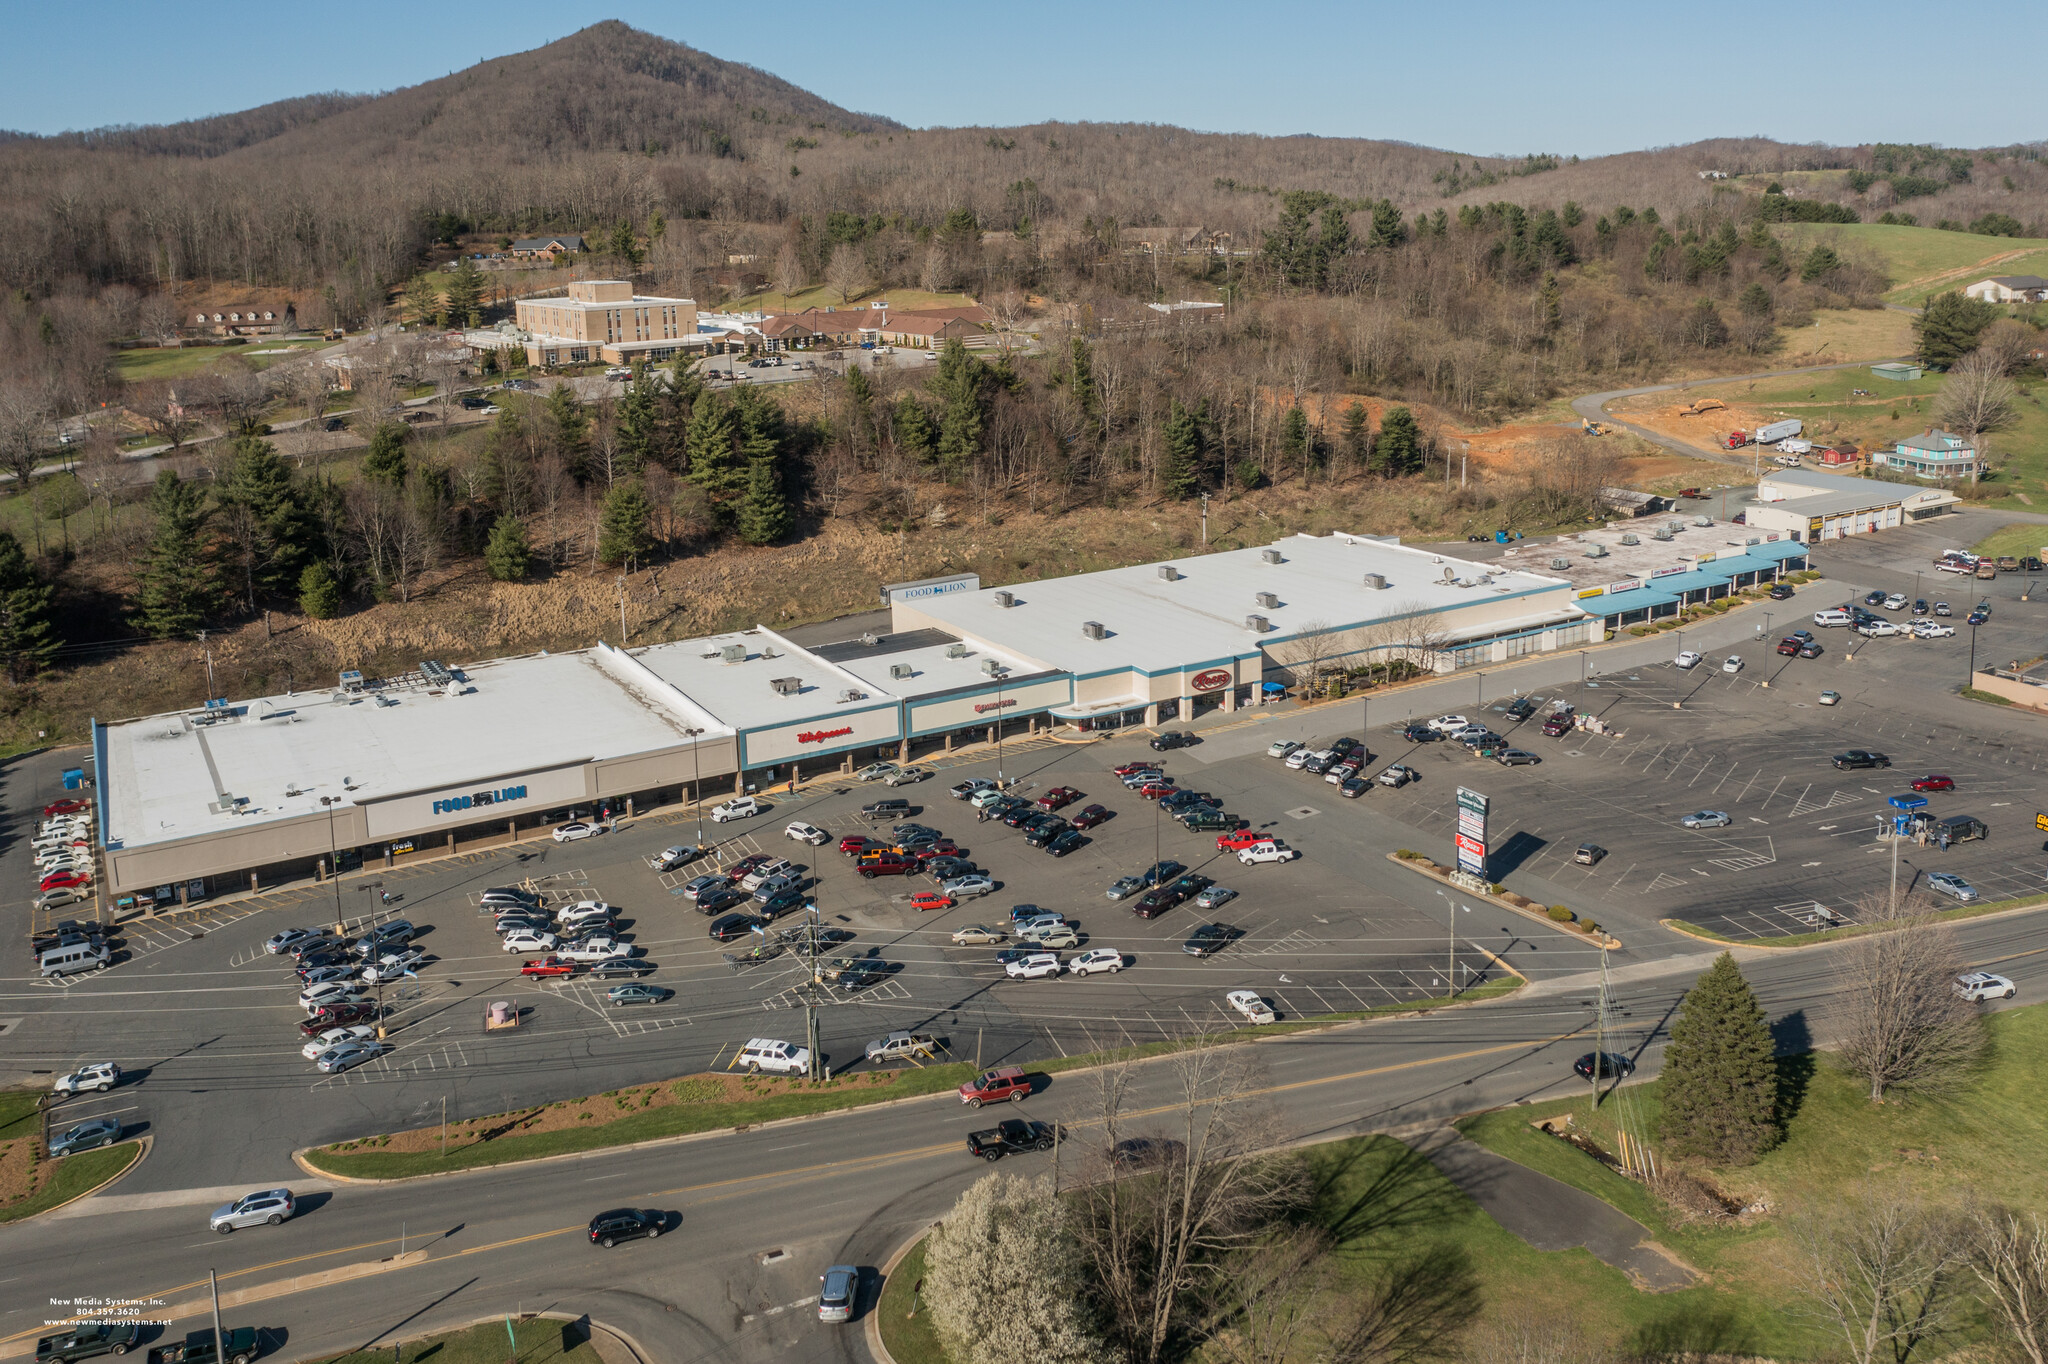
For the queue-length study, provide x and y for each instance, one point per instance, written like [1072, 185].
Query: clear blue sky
[1480, 76]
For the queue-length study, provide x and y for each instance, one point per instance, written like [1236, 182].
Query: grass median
[1824, 935]
[536, 1340]
[725, 1101]
[30, 1182]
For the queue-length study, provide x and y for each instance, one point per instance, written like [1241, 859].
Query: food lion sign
[1472, 833]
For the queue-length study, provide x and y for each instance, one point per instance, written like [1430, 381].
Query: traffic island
[1556, 916]
[31, 1183]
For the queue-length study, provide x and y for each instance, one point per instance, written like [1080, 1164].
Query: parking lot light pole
[1971, 680]
[334, 853]
[697, 785]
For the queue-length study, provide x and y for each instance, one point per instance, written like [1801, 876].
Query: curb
[1244, 1037]
[873, 1324]
[1846, 933]
[143, 1145]
[1606, 941]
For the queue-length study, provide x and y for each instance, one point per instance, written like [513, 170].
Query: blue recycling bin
[74, 778]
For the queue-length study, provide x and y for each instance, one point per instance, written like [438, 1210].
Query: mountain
[608, 87]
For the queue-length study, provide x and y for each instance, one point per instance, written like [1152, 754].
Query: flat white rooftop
[163, 773]
[741, 692]
[1156, 625]
[934, 669]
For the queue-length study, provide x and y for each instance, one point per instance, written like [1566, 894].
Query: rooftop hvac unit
[1255, 624]
[900, 670]
[957, 651]
[1703, 521]
[1376, 581]
[787, 686]
[853, 696]
[869, 640]
[1271, 556]
[733, 653]
[1168, 573]
[991, 666]
[767, 652]
[435, 672]
[1660, 534]
[1560, 564]
[1005, 599]
[1093, 629]
[352, 680]
[1631, 538]
[1596, 550]
[1267, 600]
[1674, 526]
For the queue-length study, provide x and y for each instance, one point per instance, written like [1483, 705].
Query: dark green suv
[83, 1342]
[198, 1348]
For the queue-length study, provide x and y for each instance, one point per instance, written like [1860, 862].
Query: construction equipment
[1592, 428]
[1701, 405]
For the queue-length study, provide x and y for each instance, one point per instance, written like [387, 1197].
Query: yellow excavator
[1702, 405]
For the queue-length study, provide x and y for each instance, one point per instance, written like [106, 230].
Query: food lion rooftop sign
[930, 587]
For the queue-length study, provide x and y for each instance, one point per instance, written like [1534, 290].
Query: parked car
[906, 776]
[1096, 959]
[1209, 939]
[1034, 966]
[84, 1340]
[331, 1015]
[1280, 748]
[874, 771]
[806, 833]
[969, 887]
[347, 1055]
[621, 995]
[1860, 757]
[668, 859]
[1397, 776]
[1949, 884]
[530, 940]
[199, 1347]
[1732, 664]
[577, 829]
[1517, 757]
[1065, 842]
[1781, 592]
[1589, 854]
[773, 1055]
[264, 1207]
[971, 788]
[903, 1046]
[739, 807]
[290, 938]
[392, 965]
[1934, 781]
[1248, 1003]
[1170, 739]
[607, 1229]
[837, 1289]
[727, 927]
[1830, 698]
[612, 967]
[1689, 659]
[976, 935]
[1420, 734]
[1448, 724]
[1272, 850]
[1058, 798]
[1706, 819]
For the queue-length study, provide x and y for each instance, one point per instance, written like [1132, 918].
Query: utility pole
[1205, 545]
[1002, 674]
[209, 664]
[333, 857]
[220, 1340]
[622, 610]
[697, 785]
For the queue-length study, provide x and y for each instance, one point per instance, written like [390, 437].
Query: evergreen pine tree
[1398, 451]
[266, 521]
[860, 400]
[623, 534]
[959, 387]
[507, 554]
[1294, 437]
[27, 641]
[764, 512]
[1949, 327]
[1553, 304]
[465, 294]
[1357, 435]
[914, 433]
[1083, 380]
[716, 465]
[319, 593]
[385, 462]
[638, 420]
[1333, 243]
[178, 587]
[1720, 1082]
[1819, 264]
[572, 430]
[1755, 301]
[1386, 231]
[1180, 471]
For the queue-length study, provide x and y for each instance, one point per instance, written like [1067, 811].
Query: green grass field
[150, 362]
[824, 296]
[536, 1340]
[2018, 540]
[1919, 260]
[1992, 1136]
[910, 1340]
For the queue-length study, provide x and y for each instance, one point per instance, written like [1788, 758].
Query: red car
[1934, 781]
[70, 806]
[1153, 790]
[547, 966]
[1090, 816]
[1129, 768]
[887, 864]
[945, 847]
[994, 1086]
[1788, 646]
[747, 864]
[1238, 839]
[61, 880]
[853, 845]
[336, 1016]
[932, 899]
[1058, 798]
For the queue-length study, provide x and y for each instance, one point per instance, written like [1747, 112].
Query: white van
[1832, 616]
[64, 961]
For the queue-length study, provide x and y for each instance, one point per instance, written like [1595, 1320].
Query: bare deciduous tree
[1415, 1310]
[847, 272]
[1901, 1023]
[306, 385]
[789, 271]
[157, 318]
[1267, 1303]
[2009, 1253]
[1977, 399]
[1880, 1270]
[157, 403]
[1523, 1334]
[936, 274]
[1309, 652]
[1161, 1220]
[25, 415]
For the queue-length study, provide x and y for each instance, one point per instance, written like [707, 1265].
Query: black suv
[1344, 748]
[1521, 708]
[1045, 830]
[1858, 757]
[1420, 734]
[1208, 940]
[1010, 1136]
[625, 1224]
[1172, 739]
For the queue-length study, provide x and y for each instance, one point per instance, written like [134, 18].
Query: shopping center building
[248, 793]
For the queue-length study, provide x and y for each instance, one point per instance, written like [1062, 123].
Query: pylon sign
[1472, 833]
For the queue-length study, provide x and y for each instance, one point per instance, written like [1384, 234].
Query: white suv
[1976, 985]
[806, 833]
[782, 1058]
[1034, 967]
[739, 807]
